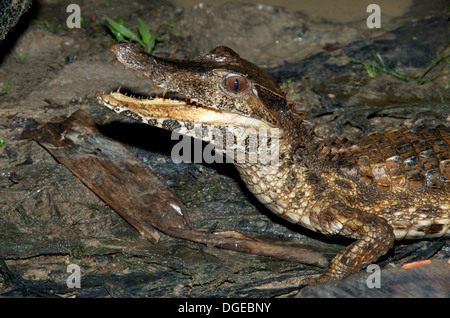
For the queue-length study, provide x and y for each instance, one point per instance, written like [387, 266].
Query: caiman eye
[235, 84]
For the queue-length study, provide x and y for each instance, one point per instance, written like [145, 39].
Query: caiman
[381, 187]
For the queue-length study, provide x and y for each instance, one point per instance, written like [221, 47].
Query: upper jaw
[155, 111]
[164, 72]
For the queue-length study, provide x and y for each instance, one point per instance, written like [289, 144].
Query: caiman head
[219, 90]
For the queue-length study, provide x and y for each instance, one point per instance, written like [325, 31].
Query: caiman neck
[299, 149]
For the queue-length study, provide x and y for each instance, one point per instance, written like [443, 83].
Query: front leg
[374, 237]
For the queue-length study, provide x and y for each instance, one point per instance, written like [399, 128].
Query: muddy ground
[49, 219]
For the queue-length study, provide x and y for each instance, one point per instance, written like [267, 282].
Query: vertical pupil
[236, 85]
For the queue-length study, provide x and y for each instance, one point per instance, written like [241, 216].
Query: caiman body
[385, 186]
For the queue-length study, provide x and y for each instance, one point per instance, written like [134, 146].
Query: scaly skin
[381, 187]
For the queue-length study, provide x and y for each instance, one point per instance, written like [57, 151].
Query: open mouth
[154, 109]
[147, 110]
[231, 130]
